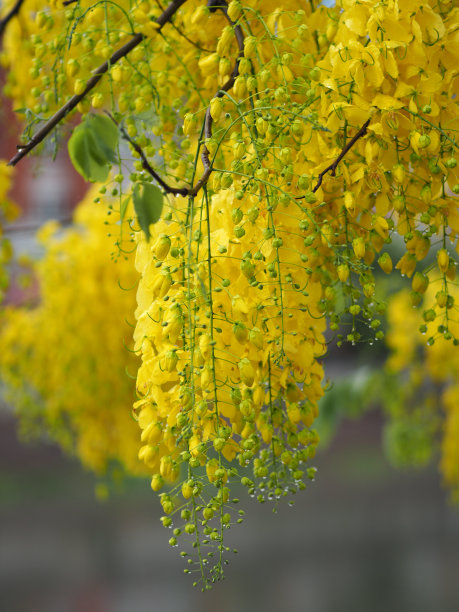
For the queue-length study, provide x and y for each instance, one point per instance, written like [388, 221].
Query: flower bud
[200, 15]
[250, 46]
[224, 41]
[385, 263]
[358, 246]
[442, 298]
[239, 150]
[170, 361]
[245, 66]
[97, 100]
[247, 372]
[168, 506]
[354, 309]
[224, 67]
[423, 141]
[219, 444]
[368, 290]
[72, 67]
[152, 434]
[162, 246]
[398, 172]
[247, 268]
[157, 482]
[216, 108]
[234, 10]
[240, 332]
[451, 271]
[443, 260]
[79, 87]
[261, 125]
[240, 87]
[162, 284]
[187, 489]
[189, 123]
[236, 396]
[426, 194]
[420, 282]
[253, 213]
[343, 272]
[246, 408]
[256, 337]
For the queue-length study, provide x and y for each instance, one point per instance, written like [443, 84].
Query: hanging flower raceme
[229, 332]
[424, 411]
[64, 360]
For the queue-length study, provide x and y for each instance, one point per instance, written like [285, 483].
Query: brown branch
[146, 164]
[214, 5]
[67, 2]
[53, 121]
[179, 31]
[332, 167]
[7, 18]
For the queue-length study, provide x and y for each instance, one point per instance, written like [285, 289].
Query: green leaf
[106, 134]
[85, 156]
[92, 147]
[148, 204]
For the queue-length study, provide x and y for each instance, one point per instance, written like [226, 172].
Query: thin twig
[213, 6]
[179, 31]
[7, 18]
[332, 167]
[146, 164]
[53, 121]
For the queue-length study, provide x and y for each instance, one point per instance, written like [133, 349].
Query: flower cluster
[230, 332]
[64, 359]
[300, 140]
[426, 406]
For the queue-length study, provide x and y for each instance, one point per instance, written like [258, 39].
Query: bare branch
[146, 164]
[332, 167]
[53, 121]
[13, 12]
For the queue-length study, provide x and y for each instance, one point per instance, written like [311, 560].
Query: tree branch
[7, 18]
[146, 164]
[192, 191]
[214, 5]
[332, 167]
[53, 121]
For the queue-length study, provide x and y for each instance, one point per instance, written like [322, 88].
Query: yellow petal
[356, 19]
[387, 102]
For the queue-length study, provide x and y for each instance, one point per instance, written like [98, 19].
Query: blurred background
[363, 537]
